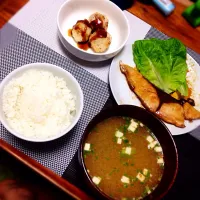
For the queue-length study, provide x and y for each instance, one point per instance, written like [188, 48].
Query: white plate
[123, 94]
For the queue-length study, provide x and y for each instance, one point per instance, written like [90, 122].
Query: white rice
[192, 79]
[38, 104]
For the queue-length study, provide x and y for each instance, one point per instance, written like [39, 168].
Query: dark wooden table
[8, 8]
[174, 25]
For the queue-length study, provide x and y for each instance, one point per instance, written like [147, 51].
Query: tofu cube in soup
[125, 179]
[119, 141]
[119, 134]
[158, 149]
[160, 160]
[149, 139]
[128, 150]
[133, 126]
[140, 177]
[96, 180]
[87, 147]
[152, 144]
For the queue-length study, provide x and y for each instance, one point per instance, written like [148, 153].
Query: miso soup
[123, 158]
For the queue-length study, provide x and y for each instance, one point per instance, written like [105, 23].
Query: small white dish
[123, 94]
[71, 82]
[73, 10]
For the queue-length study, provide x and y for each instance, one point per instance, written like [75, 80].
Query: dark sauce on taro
[85, 21]
[100, 33]
[95, 25]
[83, 32]
[85, 46]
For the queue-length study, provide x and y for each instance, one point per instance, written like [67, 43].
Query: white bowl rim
[93, 53]
[39, 65]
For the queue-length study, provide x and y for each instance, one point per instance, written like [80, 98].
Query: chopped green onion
[113, 171]
[96, 157]
[125, 140]
[95, 129]
[148, 190]
[107, 158]
[124, 128]
[126, 164]
[111, 195]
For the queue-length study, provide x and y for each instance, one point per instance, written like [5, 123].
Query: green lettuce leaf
[163, 63]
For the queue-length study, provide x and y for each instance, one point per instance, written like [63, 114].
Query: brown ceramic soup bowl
[160, 131]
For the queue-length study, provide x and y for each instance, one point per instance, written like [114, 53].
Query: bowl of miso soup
[127, 153]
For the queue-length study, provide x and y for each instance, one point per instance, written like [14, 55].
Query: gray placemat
[21, 49]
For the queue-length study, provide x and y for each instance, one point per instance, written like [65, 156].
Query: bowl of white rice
[40, 102]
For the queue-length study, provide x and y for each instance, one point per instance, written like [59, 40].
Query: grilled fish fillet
[142, 88]
[190, 112]
[161, 105]
[172, 112]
